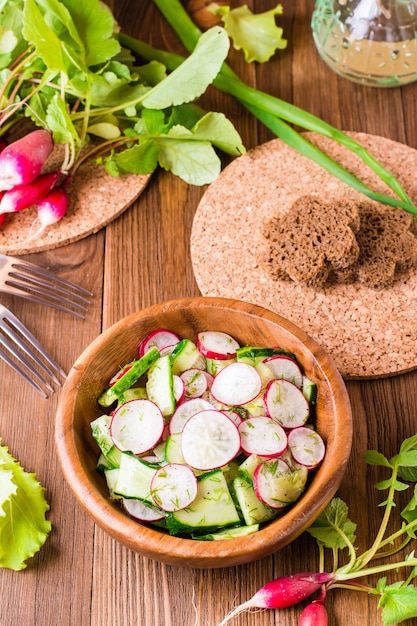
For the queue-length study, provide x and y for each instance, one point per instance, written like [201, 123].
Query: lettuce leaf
[256, 34]
[23, 526]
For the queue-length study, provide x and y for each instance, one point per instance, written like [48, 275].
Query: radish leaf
[23, 527]
[216, 128]
[399, 603]
[191, 78]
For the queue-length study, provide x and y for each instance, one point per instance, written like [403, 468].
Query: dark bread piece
[388, 246]
[314, 239]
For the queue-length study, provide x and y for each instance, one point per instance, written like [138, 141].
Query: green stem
[342, 576]
[228, 82]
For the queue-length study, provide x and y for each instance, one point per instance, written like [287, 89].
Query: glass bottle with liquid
[372, 42]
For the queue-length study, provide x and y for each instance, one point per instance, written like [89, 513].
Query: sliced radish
[174, 487]
[179, 388]
[185, 411]
[217, 345]
[209, 439]
[142, 511]
[262, 436]
[306, 445]
[119, 374]
[234, 415]
[236, 384]
[286, 404]
[284, 367]
[276, 485]
[137, 426]
[160, 339]
[195, 382]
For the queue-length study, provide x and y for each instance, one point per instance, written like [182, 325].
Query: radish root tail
[246, 606]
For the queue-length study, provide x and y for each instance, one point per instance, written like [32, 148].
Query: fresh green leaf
[23, 526]
[196, 162]
[191, 79]
[59, 121]
[330, 522]
[409, 444]
[217, 129]
[140, 159]
[373, 457]
[407, 459]
[256, 34]
[398, 603]
[409, 512]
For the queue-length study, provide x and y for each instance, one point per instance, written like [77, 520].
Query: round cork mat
[369, 333]
[95, 200]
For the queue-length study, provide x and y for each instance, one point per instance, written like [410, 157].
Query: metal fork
[20, 350]
[26, 280]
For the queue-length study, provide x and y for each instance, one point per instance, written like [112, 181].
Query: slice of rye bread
[388, 246]
[313, 239]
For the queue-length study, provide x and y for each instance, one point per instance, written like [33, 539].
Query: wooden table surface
[81, 576]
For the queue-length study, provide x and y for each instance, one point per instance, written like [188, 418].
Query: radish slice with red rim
[195, 382]
[142, 511]
[262, 436]
[209, 440]
[160, 339]
[179, 388]
[173, 487]
[185, 411]
[234, 415]
[236, 384]
[217, 345]
[286, 404]
[276, 485]
[284, 367]
[137, 426]
[306, 445]
[119, 375]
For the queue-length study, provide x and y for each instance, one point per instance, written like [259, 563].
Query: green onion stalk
[276, 114]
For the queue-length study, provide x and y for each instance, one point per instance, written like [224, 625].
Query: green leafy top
[23, 527]
[333, 530]
[62, 65]
[256, 34]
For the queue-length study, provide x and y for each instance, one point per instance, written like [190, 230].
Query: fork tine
[14, 323]
[11, 348]
[37, 284]
[21, 372]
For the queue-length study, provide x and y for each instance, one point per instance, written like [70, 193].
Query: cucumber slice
[276, 485]
[160, 385]
[213, 508]
[112, 476]
[309, 390]
[229, 533]
[100, 429]
[252, 509]
[134, 478]
[254, 355]
[128, 379]
[185, 356]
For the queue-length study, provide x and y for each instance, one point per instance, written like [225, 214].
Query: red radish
[276, 485]
[306, 445]
[262, 436]
[195, 382]
[24, 196]
[236, 384]
[142, 511]
[173, 487]
[286, 404]
[282, 593]
[3, 145]
[284, 367]
[217, 345]
[117, 376]
[183, 412]
[50, 210]
[22, 161]
[160, 339]
[209, 439]
[314, 614]
[137, 426]
[1, 220]
[179, 389]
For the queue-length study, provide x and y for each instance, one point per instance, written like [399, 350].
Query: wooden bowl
[250, 325]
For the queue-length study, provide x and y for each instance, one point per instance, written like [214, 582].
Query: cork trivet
[95, 200]
[368, 333]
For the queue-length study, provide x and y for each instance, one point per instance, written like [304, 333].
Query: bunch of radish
[187, 410]
[23, 183]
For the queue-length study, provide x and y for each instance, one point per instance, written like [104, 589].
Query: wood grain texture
[82, 576]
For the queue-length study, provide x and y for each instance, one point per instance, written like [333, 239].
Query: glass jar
[372, 42]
